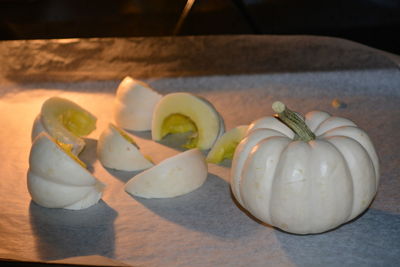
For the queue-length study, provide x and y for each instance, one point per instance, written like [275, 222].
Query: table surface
[241, 76]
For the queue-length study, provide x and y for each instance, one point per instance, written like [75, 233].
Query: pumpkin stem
[293, 121]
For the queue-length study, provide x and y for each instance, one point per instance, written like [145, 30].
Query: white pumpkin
[309, 182]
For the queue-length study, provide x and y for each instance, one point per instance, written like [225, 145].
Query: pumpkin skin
[305, 187]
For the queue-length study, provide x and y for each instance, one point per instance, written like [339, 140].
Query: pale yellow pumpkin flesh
[178, 123]
[77, 122]
[225, 146]
[67, 148]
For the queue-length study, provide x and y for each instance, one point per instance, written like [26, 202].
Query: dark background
[372, 22]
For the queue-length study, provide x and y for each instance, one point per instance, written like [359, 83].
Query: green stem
[293, 121]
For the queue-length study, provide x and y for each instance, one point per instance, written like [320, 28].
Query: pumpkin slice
[116, 149]
[175, 176]
[225, 146]
[134, 105]
[184, 112]
[65, 121]
[58, 179]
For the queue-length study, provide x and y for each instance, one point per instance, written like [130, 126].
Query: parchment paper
[241, 76]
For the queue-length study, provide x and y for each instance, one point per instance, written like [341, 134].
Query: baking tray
[241, 76]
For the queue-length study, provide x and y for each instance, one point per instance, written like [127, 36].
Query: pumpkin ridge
[318, 127]
[310, 186]
[279, 182]
[313, 119]
[273, 177]
[372, 154]
[342, 122]
[273, 222]
[271, 123]
[258, 134]
[348, 171]
[355, 177]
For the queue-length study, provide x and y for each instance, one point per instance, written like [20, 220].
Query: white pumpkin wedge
[59, 179]
[134, 105]
[116, 149]
[66, 121]
[184, 112]
[321, 174]
[175, 176]
[225, 146]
